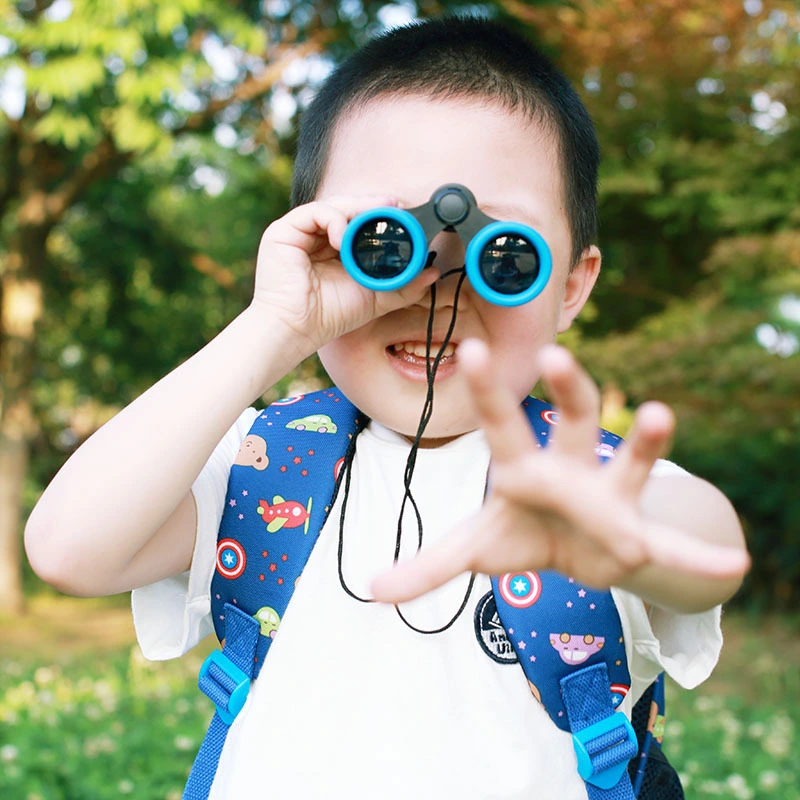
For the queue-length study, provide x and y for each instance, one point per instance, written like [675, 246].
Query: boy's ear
[578, 287]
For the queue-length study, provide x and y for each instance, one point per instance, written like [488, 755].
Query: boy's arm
[675, 541]
[690, 504]
[123, 498]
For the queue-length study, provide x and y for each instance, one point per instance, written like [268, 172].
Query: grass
[84, 717]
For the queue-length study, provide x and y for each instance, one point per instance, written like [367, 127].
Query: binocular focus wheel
[533, 253]
[384, 248]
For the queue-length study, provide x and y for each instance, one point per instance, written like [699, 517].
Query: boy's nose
[449, 249]
[449, 259]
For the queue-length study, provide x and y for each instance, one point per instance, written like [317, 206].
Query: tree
[110, 112]
[696, 108]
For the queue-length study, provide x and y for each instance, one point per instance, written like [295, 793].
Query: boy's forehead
[408, 145]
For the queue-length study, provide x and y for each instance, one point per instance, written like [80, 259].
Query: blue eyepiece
[507, 263]
[384, 248]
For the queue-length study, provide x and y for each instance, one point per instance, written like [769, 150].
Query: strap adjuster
[604, 750]
[225, 684]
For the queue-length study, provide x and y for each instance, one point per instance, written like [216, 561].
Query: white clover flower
[768, 779]
[125, 786]
[776, 744]
[184, 743]
[44, 675]
[738, 785]
[675, 728]
[8, 753]
[756, 730]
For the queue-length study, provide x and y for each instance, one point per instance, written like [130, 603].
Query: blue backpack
[567, 637]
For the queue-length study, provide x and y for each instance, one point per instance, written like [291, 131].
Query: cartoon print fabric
[279, 493]
[554, 624]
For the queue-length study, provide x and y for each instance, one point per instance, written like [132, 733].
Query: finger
[671, 549]
[303, 225]
[412, 292]
[577, 399]
[648, 440]
[428, 570]
[507, 431]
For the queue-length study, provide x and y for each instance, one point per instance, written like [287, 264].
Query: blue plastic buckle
[226, 685]
[604, 750]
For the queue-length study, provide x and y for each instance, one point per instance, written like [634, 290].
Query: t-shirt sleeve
[685, 646]
[172, 615]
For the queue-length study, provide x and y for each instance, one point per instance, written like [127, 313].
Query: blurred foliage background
[146, 145]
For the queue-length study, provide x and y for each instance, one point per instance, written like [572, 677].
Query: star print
[533, 634]
[532, 659]
[283, 469]
[265, 553]
[569, 603]
[572, 580]
[284, 557]
[289, 449]
[244, 492]
[229, 558]
[311, 452]
[273, 567]
[304, 472]
[280, 581]
[241, 516]
[521, 645]
[296, 460]
[231, 502]
[520, 586]
[581, 592]
[511, 631]
[592, 606]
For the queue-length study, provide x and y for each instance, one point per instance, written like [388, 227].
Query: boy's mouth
[414, 352]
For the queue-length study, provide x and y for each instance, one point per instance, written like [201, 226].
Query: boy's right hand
[300, 280]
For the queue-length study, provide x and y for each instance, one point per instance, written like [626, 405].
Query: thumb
[428, 570]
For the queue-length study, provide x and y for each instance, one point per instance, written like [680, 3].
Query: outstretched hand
[559, 508]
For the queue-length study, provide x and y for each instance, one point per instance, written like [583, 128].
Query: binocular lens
[509, 264]
[382, 248]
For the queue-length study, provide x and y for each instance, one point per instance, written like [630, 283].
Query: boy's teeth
[418, 348]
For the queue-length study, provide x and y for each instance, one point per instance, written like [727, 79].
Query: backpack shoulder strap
[569, 642]
[279, 493]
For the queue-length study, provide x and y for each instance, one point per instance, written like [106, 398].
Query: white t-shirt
[351, 703]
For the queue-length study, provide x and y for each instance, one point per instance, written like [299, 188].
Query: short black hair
[459, 57]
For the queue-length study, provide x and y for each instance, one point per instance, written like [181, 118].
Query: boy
[352, 702]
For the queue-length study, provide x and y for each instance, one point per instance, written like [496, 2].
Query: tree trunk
[20, 310]
[13, 468]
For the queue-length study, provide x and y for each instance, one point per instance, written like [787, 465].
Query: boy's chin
[438, 432]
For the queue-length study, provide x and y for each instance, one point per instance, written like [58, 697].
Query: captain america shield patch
[520, 589]
[550, 416]
[230, 558]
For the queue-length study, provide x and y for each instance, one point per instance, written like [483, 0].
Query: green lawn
[83, 716]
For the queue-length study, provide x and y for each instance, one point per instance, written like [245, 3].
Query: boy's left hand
[559, 508]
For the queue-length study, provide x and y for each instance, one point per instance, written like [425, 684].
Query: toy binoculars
[507, 263]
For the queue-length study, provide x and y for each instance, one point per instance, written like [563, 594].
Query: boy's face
[406, 147]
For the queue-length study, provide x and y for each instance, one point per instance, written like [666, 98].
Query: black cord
[425, 417]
